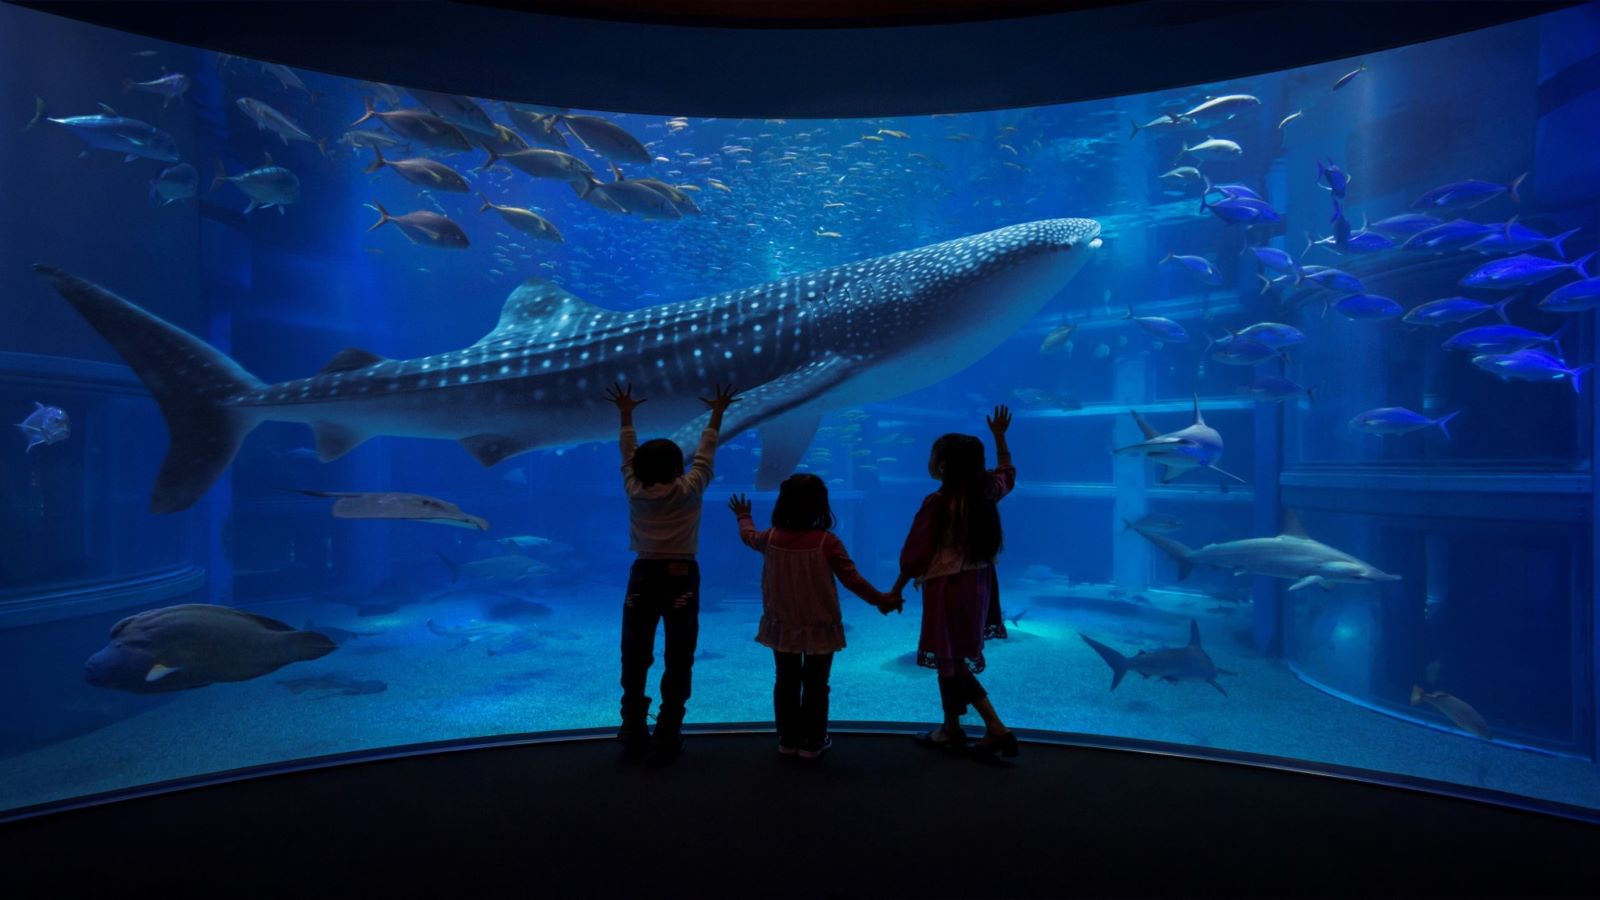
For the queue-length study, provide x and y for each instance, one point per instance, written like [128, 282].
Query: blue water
[1489, 529]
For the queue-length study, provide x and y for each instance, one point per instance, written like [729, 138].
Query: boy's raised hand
[724, 398]
[1000, 421]
[623, 397]
[740, 504]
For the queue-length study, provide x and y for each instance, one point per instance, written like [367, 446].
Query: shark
[1198, 446]
[1170, 664]
[798, 347]
[1292, 555]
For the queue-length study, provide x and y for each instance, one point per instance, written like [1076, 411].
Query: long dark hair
[972, 520]
[803, 505]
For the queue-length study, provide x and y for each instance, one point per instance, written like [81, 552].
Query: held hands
[1000, 421]
[740, 504]
[892, 602]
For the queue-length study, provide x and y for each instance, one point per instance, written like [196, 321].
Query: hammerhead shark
[1198, 446]
[1170, 664]
[1292, 554]
[798, 347]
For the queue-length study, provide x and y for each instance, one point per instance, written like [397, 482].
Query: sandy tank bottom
[1042, 677]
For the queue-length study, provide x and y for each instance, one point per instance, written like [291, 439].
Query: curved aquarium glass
[1300, 365]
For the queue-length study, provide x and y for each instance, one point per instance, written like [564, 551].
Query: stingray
[395, 505]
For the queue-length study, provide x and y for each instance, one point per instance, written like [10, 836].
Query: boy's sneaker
[787, 749]
[814, 750]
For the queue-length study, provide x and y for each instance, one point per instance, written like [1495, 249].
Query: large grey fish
[430, 173]
[1455, 709]
[462, 112]
[168, 87]
[633, 197]
[175, 183]
[397, 505]
[424, 227]
[195, 644]
[46, 425]
[541, 163]
[1199, 446]
[524, 220]
[801, 346]
[539, 127]
[1292, 554]
[130, 137]
[267, 186]
[606, 138]
[418, 125]
[269, 119]
[1170, 664]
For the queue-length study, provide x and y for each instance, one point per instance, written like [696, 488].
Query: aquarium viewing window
[312, 455]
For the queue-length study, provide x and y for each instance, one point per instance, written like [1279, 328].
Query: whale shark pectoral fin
[784, 441]
[334, 441]
[489, 449]
[765, 402]
[536, 302]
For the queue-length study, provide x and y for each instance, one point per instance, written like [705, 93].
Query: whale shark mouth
[798, 347]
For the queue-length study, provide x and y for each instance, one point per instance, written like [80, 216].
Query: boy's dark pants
[666, 591]
[800, 697]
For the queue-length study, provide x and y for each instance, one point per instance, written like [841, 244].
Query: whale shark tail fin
[192, 383]
[1117, 662]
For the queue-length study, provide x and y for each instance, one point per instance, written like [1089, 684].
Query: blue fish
[1349, 76]
[1389, 420]
[1278, 388]
[1335, 179]
[1164, 329]
[1494, 339]
[1468, 193]
[1341, 227]
[1240, 210]
[1232, 191]
[1453, 310]
[1274, 260]
[1198, 265]
[1334, 280]
[130, 137]
[1273, 334]
[179, 182]
[1531, 365]
[1368, 306]
[1232, 351]
[1405, 225]
[1516, 238]
[1578, 296]
[1520, 270]
[1452, 235]
[45, 425]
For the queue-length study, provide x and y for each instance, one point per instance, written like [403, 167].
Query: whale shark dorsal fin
[1194, 633]
[1292, 526]
[350, 359]
[534, 303]
[1198, 419]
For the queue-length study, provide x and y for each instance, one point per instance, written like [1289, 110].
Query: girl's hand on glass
[740, 504]
[1000, 421]
[725, 397]
[623, 397]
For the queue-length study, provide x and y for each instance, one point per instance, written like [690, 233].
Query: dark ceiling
[798, 58]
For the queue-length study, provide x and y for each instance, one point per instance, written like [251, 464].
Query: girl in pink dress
[800, 618]
[950, 554]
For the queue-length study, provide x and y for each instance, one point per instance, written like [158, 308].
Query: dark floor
[877, 817]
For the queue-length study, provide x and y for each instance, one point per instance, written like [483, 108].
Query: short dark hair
[657, 461]
[803, 505]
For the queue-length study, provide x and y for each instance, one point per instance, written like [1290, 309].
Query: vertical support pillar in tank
[1130, 559]
[225, 272]
[1266, 594]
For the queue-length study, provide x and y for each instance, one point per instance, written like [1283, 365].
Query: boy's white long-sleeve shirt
[664, 519]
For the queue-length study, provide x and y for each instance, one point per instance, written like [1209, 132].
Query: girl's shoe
[943, 739]
[787, 749]
[994, 746]
[812, 751]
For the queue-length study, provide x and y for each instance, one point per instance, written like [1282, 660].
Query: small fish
[1165, 329]
[1184, 173]
[1273, 334]
[524, 220]
[269, 119]
[168, 87]
[1058, 337]
[1014, 618]
[1447, 236]
[1518, 271]
[1454, 310]
[1278, 388]
[1199, 266]
[1578, 296]
[396, 505]
[1102, 351]
[1516, 238]
[1350, 76]
[1210, 148]
[1404, 225]
[45, 425]
[1494, 339]
[1236, 352]
[175, 183]
[606, 138]
[418, 125]
[1368, 306]
[1455, 709]
[335, 685]
[1392, 420]
[428, 173]
[1531, 365]
[1161, 523]
[267, 186]
[1221, 109]
[423, 227]
[360, 137]
[1333, 178]
[1290, 118]
[1274, 260]
[828, 234]
[1160, 123]
[1468, 193]
[1334, 280]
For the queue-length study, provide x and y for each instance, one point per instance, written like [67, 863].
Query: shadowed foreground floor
[877, 817]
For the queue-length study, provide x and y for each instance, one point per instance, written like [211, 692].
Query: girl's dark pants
[800, 697]
[666, 591]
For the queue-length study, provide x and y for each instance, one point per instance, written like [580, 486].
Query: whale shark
[799, 347]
